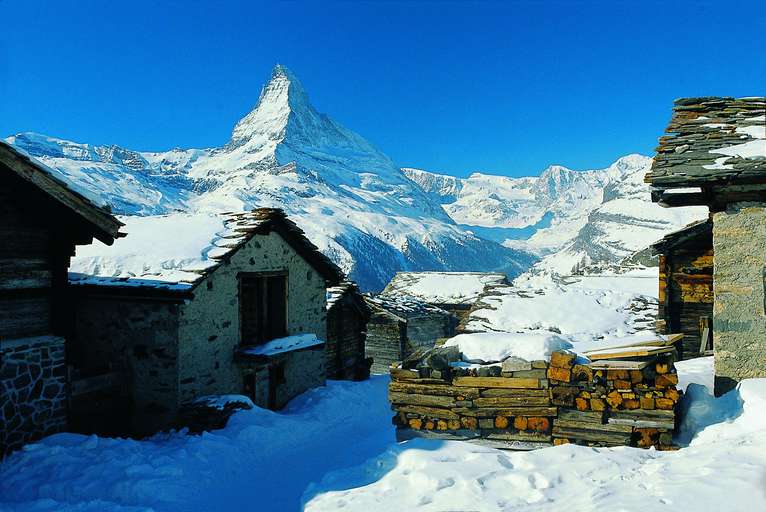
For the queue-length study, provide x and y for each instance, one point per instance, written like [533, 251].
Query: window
[262, 307]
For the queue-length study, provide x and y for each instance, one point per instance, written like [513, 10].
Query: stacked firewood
[615, 402]
[519, 404]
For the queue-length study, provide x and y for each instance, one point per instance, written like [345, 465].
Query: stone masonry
[32, 390]
[739, 322]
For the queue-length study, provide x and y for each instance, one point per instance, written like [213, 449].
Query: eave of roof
[104, 225]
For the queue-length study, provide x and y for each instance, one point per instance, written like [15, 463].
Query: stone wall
[739, 322]
[33, 390]
[209, 330]
[138, 341]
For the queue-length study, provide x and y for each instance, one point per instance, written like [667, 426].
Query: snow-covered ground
[334, 449]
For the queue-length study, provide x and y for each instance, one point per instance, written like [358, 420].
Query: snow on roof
[444, 287]
[176, 251]
[403, 306]
[286, 344]
[712, 139]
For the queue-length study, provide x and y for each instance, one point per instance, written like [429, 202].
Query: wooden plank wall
[689, 294]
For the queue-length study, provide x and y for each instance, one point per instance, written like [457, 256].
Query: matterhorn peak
[282, 95]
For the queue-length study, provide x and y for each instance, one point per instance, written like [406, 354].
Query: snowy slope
[572, 218]
[350, 198]
[333, 448]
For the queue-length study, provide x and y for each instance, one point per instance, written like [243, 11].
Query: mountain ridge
[349, 197]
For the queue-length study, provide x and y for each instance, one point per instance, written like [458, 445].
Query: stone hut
[399, 326]
[686, 287]
[41, 221]
[455, 292]
[202, 305]
[347, 316]
[714, 154]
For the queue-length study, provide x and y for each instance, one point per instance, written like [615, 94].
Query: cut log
[496, 382]
[500, 392]
[432, 389]
[595, 427]
[505, 411]
[501, 422]
[559, 374]
[562, 359]
[607, 438]
[425, 400]
[430, 412]
[580, 416]
[511, 401]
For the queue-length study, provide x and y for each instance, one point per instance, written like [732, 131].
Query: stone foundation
[33, 390]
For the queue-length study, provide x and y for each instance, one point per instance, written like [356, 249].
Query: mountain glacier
[571, 219]
[349, 197]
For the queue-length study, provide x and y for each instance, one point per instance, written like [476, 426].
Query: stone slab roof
[712, 140]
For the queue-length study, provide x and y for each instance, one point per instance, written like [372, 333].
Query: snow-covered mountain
[350, 198]
[570, 218]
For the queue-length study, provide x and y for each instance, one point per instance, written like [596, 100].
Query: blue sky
[506, 88]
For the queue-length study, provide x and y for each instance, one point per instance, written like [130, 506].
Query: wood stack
[626, 396]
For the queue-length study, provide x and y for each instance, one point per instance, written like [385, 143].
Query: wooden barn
[686, 287]
[455, 292]
[347, 316]
[400, 325]
[41, 221]
[203, 305]
[714, 154]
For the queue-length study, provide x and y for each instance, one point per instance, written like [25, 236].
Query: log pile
[623, 397]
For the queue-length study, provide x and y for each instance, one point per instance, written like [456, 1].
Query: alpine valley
[361, 209]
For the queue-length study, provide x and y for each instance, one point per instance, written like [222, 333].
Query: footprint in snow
[504, 461]
[444, 484]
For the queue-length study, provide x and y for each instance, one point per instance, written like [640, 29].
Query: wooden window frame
[241, 276]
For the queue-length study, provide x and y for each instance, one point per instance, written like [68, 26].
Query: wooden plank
[613, 438]
[488, 412]
[581, 416]
[496, 382]
[433, 389]
[511, 445]
[618, 365]
[501, 392]
[629, 352]
[669, 425]
[511, 401]
[425, 400]
[669, 339]
[519, 436]
[596, 427]
[430, 412]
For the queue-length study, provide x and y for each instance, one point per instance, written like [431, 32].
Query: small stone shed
[399, 326]
[686, 287]
[714, 154]
[41, 221]
[202, 305]
[455, 292]
[347, 317]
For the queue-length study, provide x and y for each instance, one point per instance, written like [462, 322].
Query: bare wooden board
[618, 365]
[496, 382]
[670, 339]
[629, 352]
